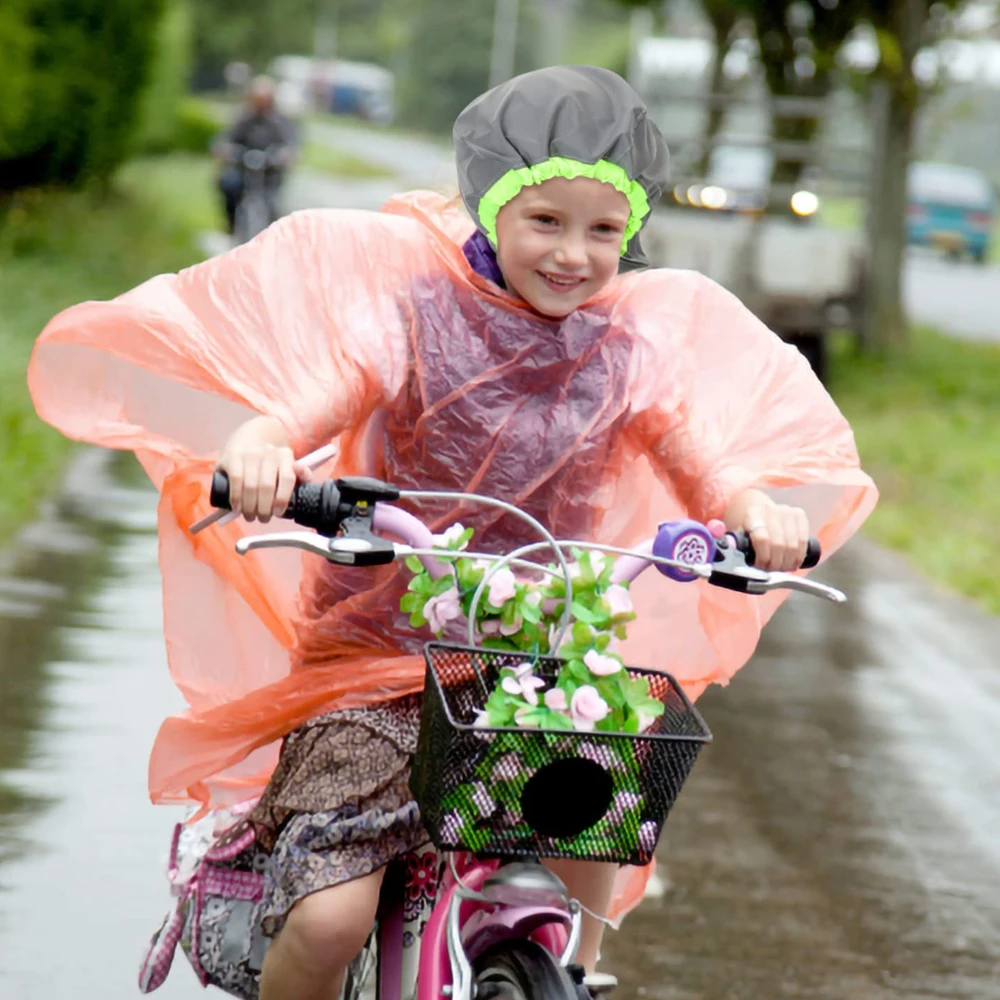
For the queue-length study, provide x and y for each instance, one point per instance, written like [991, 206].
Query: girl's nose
[571, 251]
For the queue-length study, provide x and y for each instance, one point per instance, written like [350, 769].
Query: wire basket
[508, 792]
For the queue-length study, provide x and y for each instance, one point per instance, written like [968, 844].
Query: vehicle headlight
[694, 194]
[713, 196]
[804, 203]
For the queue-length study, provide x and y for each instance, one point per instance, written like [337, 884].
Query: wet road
[959, 298]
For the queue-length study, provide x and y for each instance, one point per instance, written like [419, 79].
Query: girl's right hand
[262, 470]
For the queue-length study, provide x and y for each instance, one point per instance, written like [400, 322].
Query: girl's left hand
[780, 535]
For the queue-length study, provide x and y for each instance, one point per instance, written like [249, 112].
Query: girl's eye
[545, 220]
[607, 229]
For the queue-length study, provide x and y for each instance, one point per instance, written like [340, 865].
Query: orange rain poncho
[660, 398]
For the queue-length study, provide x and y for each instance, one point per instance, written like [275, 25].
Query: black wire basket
[594, 796]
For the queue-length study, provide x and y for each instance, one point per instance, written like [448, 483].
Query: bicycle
[501, 923]
[255, 210]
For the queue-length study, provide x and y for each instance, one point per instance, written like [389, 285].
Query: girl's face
[559, 242]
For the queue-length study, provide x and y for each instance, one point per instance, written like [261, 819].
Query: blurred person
[260, 126]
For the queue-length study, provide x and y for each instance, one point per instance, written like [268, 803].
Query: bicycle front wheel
[522, 970]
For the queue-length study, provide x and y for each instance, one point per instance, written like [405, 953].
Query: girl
[517, 362]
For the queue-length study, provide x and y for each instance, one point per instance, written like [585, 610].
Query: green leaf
[444, 584]
[556, 720]
[414, 565]
[417, 620]
[582, 634]
[529, 612]
[409, 603]
[584, 614]
[651, 707]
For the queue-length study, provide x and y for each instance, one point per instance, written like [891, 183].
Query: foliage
[926, 428]
[163, 99]
[62, 247]
[194, 128]
[593, 690]
[74, 72]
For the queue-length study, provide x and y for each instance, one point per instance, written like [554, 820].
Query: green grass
[927, 424]
[58, 248]
[330, 160]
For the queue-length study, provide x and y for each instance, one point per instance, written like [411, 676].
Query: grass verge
[927, 424]
[58, 248]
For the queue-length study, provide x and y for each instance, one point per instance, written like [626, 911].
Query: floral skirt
[338, 805]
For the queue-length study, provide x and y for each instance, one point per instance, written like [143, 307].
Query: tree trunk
[885, 316]
[722, 17]
[885, 323]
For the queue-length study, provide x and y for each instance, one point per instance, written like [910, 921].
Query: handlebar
[345, 514]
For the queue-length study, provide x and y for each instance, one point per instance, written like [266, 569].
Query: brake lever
[730, 570]
[789, 581]
[347, 551]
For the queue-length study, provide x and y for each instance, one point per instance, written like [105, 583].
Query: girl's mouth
[561, 282]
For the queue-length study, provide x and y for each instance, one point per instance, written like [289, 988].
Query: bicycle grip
[813, 551]
[313, 505]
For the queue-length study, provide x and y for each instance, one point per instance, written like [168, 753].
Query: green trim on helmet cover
[512, 182]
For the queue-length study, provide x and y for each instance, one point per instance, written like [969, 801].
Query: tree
[74, 71]
[450, 62]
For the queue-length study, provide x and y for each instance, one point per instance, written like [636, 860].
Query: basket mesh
[544, 793]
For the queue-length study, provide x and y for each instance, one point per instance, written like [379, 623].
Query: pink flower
[450, 537]
[482, 800]
[533, 598]
[597, 562]
[514, 627]
[601, 665]
[507, 767]
[441, 609]
[555, 699]
[587, 708]
[502, 587]
[619, 600]
[482, 719]
[645, 721]
[624, 801]
[648, 834]
[523, 683]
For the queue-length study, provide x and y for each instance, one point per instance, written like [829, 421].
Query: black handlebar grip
[813, 551]
[313, 505]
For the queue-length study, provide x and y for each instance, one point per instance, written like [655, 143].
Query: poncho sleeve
[722, 404]
[302, 324]
[309, 324]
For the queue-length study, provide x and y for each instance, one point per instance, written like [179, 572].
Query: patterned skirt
[338, 805]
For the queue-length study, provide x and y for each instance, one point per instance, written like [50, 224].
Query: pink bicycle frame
[478, 925]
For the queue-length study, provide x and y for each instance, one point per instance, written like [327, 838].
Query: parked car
[950, 208]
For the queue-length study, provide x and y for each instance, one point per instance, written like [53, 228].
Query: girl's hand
[780, 534]
[262, 469]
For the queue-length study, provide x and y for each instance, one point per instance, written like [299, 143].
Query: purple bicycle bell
[683, 541]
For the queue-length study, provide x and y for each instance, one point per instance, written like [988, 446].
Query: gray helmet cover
[581, 113]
